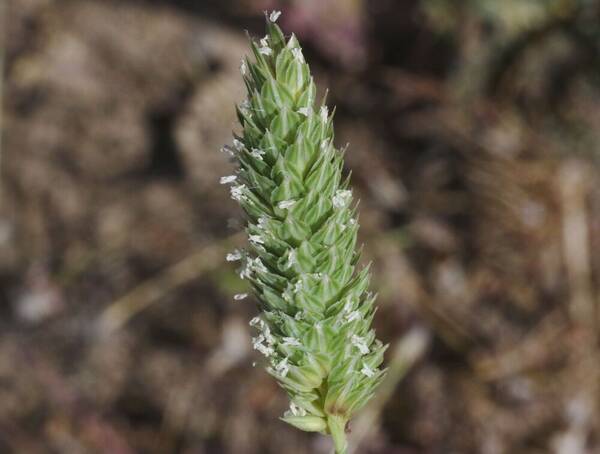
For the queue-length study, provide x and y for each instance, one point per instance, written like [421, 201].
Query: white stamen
[342, 198]
[246, 271]
[264, 42]
[256, 265]
[243, 67]
[265, 50]
[257, 344]
[297, 53]
[324, 144]
[306, 111]
[237, 192]
[285, 204]
[267, 333]
[287, 294]
[262, 222]
[282, 367]
[299, 285]
[260, 267]
[233, 256]
[256, 239]
[291, 341]
[291, 260]
[240, 296]
[245, 107]
[227, 149]
[347, 307]
[238, 145]
[360, 343]
[324, 112]
[228, 179]
[366, 370]
[274, 16]
[354, 315]
[295, 410]
[257, 153]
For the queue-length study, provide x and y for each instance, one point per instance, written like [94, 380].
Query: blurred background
[474, 131]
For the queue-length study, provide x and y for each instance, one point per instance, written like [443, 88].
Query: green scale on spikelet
[315, 325]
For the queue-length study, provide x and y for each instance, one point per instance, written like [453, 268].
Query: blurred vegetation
[474, 131]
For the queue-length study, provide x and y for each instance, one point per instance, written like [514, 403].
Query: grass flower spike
[316, 311]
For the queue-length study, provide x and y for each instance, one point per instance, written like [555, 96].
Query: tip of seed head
[274, 16]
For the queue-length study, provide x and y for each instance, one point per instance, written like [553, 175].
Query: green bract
[315, 326]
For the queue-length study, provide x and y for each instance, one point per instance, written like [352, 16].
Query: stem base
[337, 428]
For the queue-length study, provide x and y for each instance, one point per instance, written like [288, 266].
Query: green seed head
[316, 311]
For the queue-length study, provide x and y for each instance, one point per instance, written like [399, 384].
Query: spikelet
[316, 311]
